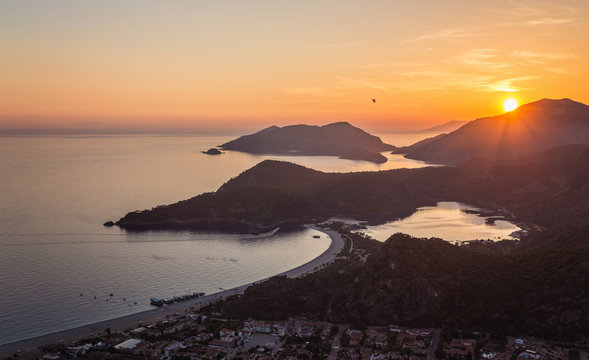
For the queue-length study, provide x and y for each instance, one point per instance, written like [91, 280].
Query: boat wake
[262, 235]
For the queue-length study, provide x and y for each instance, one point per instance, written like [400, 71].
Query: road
[431, 352]
[335, 345]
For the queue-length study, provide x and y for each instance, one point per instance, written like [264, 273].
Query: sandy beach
[153, 315]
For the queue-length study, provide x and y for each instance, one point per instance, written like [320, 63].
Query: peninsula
[542, 188]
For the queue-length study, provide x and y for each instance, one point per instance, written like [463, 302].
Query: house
[353, 355]
[394, 328]
[128, 344]
[139, 330]
[226, 332]
[381, 341]
[203, 337]
[355, 337]
[174, 347]
[460, 347]
[220, 344]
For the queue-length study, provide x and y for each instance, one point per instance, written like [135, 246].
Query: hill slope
[532, 127]
[446, 127]
[431, 283]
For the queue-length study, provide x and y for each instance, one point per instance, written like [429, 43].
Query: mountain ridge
[532, 127]
[334, 139]
[446, 127]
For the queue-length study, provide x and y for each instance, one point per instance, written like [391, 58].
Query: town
[193, 335]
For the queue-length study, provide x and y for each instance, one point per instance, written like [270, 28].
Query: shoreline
[118, 324]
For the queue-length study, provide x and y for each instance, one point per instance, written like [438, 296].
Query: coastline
[31, 345]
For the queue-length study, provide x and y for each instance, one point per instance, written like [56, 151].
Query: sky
[185, 65]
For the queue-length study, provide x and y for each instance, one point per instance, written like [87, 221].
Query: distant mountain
[532, 127]
[335, 139]
[446, 127]
[417, 145]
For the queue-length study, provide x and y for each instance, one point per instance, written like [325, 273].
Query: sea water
[59, 265]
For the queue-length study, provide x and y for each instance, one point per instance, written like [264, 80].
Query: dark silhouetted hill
[446, 127]
[544, 188]
[417, 145]
[532, 127]
[335, 139]
[365, 155]
[540, 290]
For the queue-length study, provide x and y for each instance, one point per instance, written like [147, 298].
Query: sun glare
[510, 104]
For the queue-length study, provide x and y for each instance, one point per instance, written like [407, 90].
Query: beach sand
[31, 346]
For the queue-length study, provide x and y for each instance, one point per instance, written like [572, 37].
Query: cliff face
[333, 139]
[532, 127]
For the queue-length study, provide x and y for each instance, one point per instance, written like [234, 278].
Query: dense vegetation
[538, 288]
[546, 188]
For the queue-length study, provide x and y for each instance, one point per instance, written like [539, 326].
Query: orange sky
[205, 64]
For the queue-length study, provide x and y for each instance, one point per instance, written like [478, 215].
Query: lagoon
[452, 221]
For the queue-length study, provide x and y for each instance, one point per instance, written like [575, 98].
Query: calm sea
[55, 255]
[59, 265]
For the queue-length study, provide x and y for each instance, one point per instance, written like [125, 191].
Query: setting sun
[510, 104]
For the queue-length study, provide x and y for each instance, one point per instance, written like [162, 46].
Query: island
[336, 139]
[212, 151]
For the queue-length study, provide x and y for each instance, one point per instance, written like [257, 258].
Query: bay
[55, 255]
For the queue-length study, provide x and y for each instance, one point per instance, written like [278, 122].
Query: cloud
[423, 73]
[483, 58]
[521, 14]
[314, 90]
[444, 34]
[542, 56]
[539, 22]
[547, 21]
[396, 65]
[448, 81]
[504, 85]
[559, 71]
[361, 83]
[519, 9]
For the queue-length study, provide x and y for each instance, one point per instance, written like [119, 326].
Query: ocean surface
[59, 265]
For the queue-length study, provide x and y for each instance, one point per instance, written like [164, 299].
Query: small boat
[168, 301]
[156, 302]
[316, 236]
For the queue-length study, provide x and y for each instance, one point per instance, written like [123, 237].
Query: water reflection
[451, 221]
